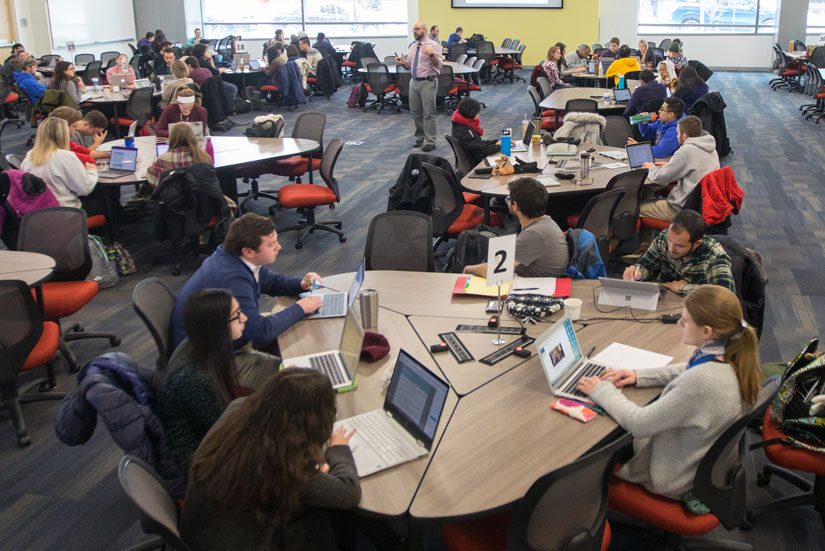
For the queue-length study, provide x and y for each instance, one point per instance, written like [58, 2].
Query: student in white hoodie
[695, 158]
[67, 177]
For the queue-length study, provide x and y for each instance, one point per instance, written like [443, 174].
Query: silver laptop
[122, 161]
[132, 130]
[563, 362]
[143, 83]
[524, 144]
[122, 80]
[197, 128]
[621, 95]
[405, 428]
[639, 154]
[641, 295]
[335, 304]
[339, 365]
[254, 65]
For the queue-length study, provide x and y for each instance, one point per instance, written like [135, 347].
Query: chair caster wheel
[23, 441]
[175, 272]
[342, 239]
[298, 245]
[115, 341]
[746, 526]
[762, 479]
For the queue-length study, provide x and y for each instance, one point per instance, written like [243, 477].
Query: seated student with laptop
[183, 109]
[467, 129]
[682, 257]
[121, 73]
[183, 150]
[647, 90]
[695, 158]
[663, 131]
[541, 248]
[240, 266]
[701, 398]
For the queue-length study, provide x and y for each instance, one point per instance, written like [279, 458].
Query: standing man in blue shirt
[424, 62]
[664, 132]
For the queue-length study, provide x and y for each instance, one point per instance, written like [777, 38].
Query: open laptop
[563, 362]
[639, 154]
[254, 65]
[197, 128]
[239, 58]
[122, 161]
[340, 365]
[132, 130]
[641, 295]
[335, 304]
[124, 81]
[161, 148]
[524, 144]
[143, 83]
[591, 67]
[621, 95]
[405, 428]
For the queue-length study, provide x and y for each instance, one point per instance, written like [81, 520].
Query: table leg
[485, 199]
[117, 121]
[38, 294]
[229, 183]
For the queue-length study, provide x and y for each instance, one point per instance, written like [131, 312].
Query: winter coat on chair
[585, 260]
[20, 194]
[289, 84]
[710, 109]
[585, 127]
[121, 392]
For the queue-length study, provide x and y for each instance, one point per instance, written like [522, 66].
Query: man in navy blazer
[240, 267]
[647, 90]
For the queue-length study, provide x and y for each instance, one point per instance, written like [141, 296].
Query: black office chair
[632, 75]
[486, 51]
[455, 51]
[446, 93]
[665, 44]
[596, 46]
[597, 218]
[138, 107]
[47, 59]
[451, 215]
[623, 226]
[616, 131]
[379, 84]
[105, 57]
[93, 70]
[84, 59]
[544, 87]
[153, 300]
[463, 161]
[251, 173]
[506, 42]
[581, 105]
[400, 240]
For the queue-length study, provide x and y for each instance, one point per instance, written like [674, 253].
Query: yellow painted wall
[538, 29]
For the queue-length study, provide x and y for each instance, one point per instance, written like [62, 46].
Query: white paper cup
[573, 308]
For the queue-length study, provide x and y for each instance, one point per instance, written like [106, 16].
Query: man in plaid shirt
[681, 257]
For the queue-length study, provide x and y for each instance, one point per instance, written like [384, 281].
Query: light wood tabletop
[32, 268]
[503, 436]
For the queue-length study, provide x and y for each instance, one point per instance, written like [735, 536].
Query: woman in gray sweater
[263, 474]
[700, 400]
[65, 79]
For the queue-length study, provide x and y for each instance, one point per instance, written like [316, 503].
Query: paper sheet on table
[618, 155]
[534, 285]
[548, 181]
[474, 285]
[629, 357]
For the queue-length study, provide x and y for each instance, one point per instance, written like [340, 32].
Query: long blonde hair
[182, 137]
[719, 309]
[180, 69]
[52, 134]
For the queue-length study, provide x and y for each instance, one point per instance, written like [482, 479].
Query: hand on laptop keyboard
[587, 384]
[340, 436]
[310, 304]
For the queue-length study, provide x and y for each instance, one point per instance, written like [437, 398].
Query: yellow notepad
[474, 285]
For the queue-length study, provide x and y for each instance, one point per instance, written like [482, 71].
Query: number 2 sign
[501, 259]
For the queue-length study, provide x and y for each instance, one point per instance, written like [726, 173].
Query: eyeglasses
[236, 315]
[663, 110]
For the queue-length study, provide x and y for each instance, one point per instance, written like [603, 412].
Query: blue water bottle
[621, 82]
[505, 142]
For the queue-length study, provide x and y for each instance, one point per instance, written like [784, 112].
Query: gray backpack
[104, 268]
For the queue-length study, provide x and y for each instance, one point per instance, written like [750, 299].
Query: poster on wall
[553, 4]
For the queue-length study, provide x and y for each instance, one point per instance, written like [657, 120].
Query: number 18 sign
[501, 259]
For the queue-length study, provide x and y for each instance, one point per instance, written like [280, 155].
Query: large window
[6, 23]
[816, 17]
[258, 19]
[679, 17]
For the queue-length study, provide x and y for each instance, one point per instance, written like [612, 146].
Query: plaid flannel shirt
[709, 264]
[171, 159]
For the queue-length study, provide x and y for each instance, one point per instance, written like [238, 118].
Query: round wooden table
[496, 435]
[32, 268]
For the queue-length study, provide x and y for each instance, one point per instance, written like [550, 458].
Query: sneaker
[418, 143]
[428, 147]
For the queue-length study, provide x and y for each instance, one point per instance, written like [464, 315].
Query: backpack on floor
[803, 379]
[470, 248]
[357, 96]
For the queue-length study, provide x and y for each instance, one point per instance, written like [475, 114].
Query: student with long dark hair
[65, 79]
[691, 86]
[259, 477]
[200, 379]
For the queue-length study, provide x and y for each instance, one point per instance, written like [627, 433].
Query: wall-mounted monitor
[553, 4]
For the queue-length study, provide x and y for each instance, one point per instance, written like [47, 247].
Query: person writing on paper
[578, 59]
[183, 109]
[701, 398]
[240, 266]
[541, 248]
[682, 257]
[663, 131]
[467, 129]
[121, 68]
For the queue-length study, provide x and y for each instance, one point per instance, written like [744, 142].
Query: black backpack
[470, 248]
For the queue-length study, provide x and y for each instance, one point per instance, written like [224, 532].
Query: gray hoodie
[692, 161]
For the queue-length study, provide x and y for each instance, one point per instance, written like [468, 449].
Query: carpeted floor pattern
[56, 497]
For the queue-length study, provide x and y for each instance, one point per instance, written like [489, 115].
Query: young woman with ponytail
[701, 398]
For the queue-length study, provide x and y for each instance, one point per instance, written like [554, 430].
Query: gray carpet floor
[56, 497]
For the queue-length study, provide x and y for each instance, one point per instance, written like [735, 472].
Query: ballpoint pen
[590, 354]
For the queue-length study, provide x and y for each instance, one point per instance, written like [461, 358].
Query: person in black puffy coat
[467, 129]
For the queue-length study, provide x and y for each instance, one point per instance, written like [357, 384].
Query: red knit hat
[375, 347]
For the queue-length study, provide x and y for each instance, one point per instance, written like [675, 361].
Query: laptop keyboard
[386, 443]
[589, 370]
[328, 365]
[332, 303]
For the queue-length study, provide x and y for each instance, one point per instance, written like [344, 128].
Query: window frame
[756, 29]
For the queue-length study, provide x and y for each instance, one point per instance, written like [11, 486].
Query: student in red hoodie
[83, 125]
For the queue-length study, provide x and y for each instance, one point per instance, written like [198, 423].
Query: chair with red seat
[380, 85]
[306, 197]
[308, 126]
[720, 483]
[138, 108]
[549, 117]
[451, 215]
[26, 342]
[537, 522]
[788, 457]
[61, 233]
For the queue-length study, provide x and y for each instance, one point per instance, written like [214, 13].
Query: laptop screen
[621, 94]
[591, 67]
[123, 158]
[356, 283]
[415, 398]
[528, 133]
[559, 350]
[161, 148]
[639, 153]
[351, 340]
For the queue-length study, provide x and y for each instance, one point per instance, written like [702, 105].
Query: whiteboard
[90, 21]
